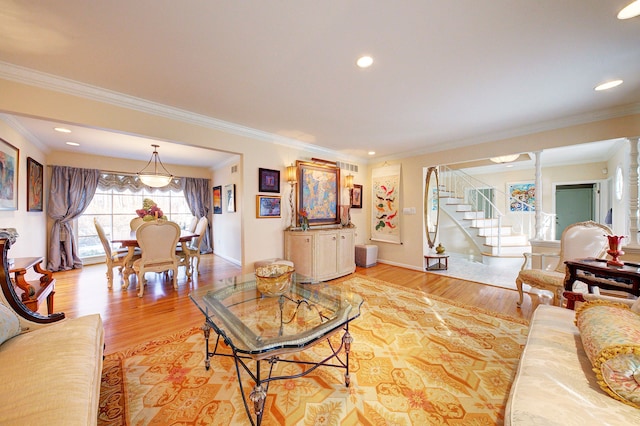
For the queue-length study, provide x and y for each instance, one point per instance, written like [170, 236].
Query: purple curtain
[71, 191]
[198, 196]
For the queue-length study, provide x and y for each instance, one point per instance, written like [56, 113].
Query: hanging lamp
[155, 178]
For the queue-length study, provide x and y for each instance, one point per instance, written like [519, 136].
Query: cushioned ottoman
[366, 255]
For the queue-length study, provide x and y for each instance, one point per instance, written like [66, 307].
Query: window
[115, 208]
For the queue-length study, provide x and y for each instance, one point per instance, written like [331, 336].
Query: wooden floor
[130, 320]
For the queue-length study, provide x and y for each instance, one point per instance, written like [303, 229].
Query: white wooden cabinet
[322, 254]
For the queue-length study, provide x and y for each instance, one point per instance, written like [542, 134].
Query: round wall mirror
[431, 205]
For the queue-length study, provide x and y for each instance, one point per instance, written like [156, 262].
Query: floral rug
[415, 360]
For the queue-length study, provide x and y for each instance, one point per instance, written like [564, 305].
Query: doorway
[575, 203]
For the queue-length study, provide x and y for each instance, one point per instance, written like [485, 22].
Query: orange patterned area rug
[416, 360]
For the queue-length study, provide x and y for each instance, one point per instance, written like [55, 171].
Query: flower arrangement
[304, 219]
[150, 211]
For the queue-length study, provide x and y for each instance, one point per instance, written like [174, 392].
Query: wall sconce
[291, 175]
[348, 182]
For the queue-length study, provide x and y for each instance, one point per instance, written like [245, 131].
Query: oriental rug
[416, 360]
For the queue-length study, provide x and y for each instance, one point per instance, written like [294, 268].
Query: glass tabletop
[256, 325]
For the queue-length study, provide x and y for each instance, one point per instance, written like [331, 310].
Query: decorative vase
[304, 223]
[440, 248]
[615, 242]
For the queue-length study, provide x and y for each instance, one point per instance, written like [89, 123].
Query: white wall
[31, 226]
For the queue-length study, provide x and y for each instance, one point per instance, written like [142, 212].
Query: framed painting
[269, 180]
[267, 206]
[319, 187]
[35, 178]
[230, 196]
[9, 157]
[521, 197]
[356, 197]
[217, 200]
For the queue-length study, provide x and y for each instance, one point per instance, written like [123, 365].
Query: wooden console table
[596, 273]
[33, 293]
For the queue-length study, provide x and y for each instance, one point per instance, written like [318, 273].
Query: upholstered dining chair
[579, 240]
[113, 258]
[193, 224]
[193, 247]
[157, 240]
[135, 222]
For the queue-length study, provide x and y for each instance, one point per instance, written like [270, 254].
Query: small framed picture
[267, 206]
[34, 185]
[356, 197]
[230, 195]
[8, 176]
[269, 180]
[217, 200]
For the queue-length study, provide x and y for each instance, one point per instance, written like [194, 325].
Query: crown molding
[25, 133]
[35, 78]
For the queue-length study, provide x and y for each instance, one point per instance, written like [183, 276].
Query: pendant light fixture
[155, 178]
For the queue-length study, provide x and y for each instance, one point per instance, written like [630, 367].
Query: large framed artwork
[319, 186]
[217, 200]
[269, 180]
[522, 197]
[385, 191]
[9, 157]
[230, 196]
[267, 206]
[34, 185]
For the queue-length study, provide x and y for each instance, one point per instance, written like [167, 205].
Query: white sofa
[50, 366]
[555, 383]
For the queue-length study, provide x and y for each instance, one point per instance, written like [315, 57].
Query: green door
[574, 203]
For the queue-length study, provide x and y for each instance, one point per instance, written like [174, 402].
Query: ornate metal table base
[259, 393]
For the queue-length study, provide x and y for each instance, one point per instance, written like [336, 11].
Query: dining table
[131, 243]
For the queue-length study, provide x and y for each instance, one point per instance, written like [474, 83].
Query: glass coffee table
[261, 329]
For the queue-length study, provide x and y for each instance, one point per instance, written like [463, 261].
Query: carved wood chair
[113, 258]
[193, 247]
[579, 240]
[157, 240]
[135, 222]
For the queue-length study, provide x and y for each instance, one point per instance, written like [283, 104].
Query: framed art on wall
[522, 197]
[269, 180]
[319, 186]
[217, 200]
[34, 185]
[230, 196]
[267, 206]
[356, 196]
[9, 156]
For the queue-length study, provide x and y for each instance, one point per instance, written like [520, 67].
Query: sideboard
[321, 254]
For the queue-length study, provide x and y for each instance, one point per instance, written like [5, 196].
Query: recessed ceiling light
[364, 61]
[73, 143]
[372, 153]
[61, 130]
[630, 11]
[608, 85]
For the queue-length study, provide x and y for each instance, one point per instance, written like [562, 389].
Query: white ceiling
[446, 73]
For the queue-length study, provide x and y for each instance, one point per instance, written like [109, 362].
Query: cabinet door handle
[334, 238]
[343, 237]
[307, 239]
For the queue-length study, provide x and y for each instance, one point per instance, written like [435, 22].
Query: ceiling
[445, 74]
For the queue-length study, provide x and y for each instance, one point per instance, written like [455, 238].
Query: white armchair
[157, 240]
[579, 240]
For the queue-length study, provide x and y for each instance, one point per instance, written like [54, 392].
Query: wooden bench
[33, 293]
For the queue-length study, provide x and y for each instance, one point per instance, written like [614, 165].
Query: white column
[538, 200]
[633, 192]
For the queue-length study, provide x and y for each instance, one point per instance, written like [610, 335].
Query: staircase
[465, 200]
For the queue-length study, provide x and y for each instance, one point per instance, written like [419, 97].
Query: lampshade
[348, 182]
[291, 174]
[155, 178]
[505, 158]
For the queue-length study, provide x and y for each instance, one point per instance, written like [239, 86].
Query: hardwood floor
[130, 320]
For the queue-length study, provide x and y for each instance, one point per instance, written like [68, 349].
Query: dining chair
[157, 240]
[135, 222]
[193, 224]
[113, 258]
[193, 247]
[578, 241]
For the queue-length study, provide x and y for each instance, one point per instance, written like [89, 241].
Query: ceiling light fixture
[608, 85]
[372, 153]
[630, 11]
[505, 158]
[155, 179]
[364, 61]
[61, 130]
[72, 143]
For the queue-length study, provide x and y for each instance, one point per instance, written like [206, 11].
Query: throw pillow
[610, 334]
[9, 324]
